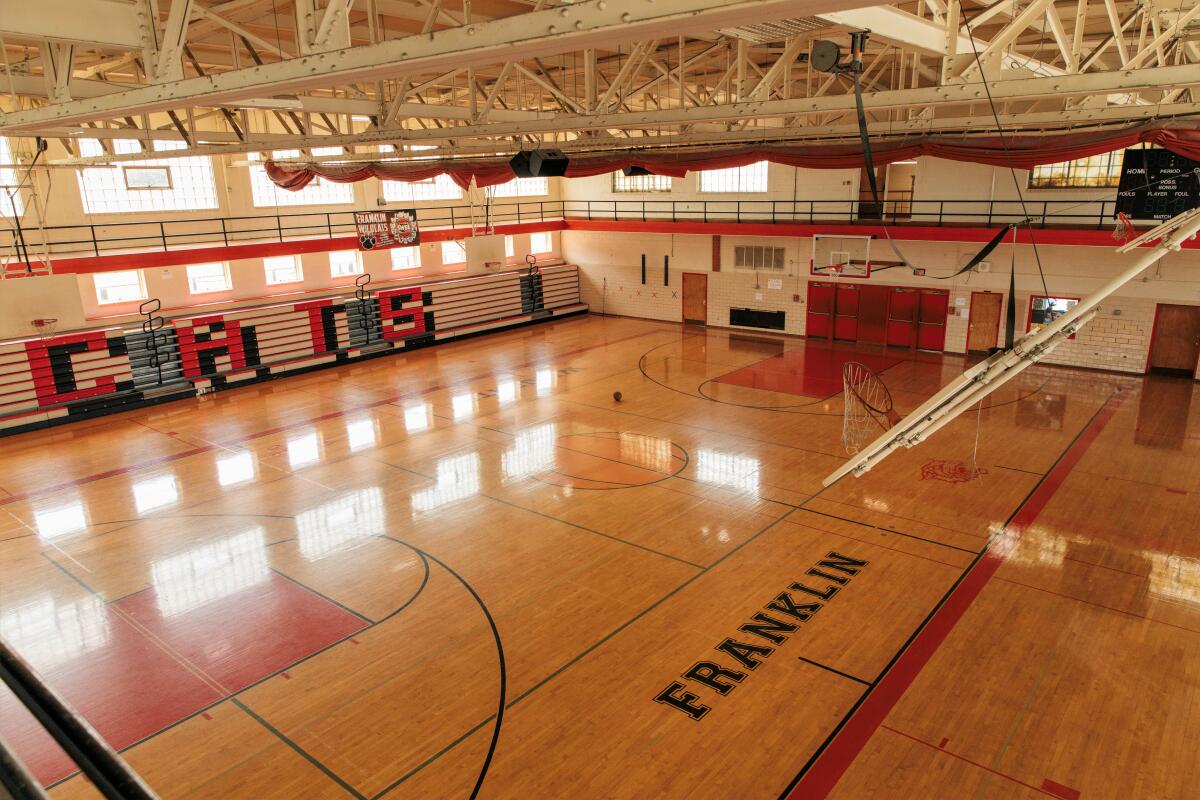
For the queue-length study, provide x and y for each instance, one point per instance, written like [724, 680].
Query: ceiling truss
[475, 77]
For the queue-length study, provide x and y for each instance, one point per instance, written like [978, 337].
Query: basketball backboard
[845, 256]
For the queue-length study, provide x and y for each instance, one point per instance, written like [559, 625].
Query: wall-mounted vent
[756, 318]
[758, 257]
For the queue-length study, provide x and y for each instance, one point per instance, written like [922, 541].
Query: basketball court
[599, 399]
[353, 590]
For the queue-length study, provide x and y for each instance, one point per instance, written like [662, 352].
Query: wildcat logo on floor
[950, 471]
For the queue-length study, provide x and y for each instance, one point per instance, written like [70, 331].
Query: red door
[902, 317]
[931, 321]
[845, 320]
[872, 314]
[819, 320]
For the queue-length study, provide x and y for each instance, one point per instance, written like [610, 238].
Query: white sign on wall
[774, 283]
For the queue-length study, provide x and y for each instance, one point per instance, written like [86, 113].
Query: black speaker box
[539, 164]
[631, 172]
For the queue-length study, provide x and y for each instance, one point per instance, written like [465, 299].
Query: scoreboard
[1157, 184]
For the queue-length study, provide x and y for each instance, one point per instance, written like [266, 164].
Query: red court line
[1040, 790]
[829, 766]
[112, 473]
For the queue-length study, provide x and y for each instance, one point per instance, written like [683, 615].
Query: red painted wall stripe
[832, 763]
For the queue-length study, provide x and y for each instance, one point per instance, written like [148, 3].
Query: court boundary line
[826, 766]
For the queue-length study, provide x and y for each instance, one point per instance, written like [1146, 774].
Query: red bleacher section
[55, 379]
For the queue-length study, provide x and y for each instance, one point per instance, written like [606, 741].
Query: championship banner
[378, 230]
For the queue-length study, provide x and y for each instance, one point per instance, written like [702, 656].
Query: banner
[378, 230]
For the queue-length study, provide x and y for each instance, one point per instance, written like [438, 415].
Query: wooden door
[1176, 343]
[695, 297]
[867, 207]
[931, 327]
[872, 314]
[983, 325]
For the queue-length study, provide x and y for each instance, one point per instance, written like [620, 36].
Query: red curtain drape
[1022, 152]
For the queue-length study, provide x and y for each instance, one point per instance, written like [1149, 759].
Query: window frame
[618, 177]
[549, 242]
[165, 170]
[519, 186]
[462, 245]
[1070, 181]
[358, 263]
[297, 264]
[766, 175]
[415, 249]
[143, 295]
[1029, 323]
[224, 265]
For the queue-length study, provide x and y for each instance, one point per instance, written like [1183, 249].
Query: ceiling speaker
[633, 172]
[539, 164]
[825, 56]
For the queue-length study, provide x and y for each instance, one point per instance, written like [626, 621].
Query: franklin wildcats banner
[378, 230]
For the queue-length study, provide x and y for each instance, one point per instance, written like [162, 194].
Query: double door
[890, 315]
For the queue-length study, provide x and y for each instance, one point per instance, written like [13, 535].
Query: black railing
[98, 238]
[111, 776]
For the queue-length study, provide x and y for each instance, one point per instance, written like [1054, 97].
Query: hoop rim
[852, 385]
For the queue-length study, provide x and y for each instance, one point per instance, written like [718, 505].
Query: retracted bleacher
[55, 379]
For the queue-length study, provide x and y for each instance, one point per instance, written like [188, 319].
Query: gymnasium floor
[468, 568]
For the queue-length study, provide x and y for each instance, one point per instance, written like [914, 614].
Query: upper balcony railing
[113, 237]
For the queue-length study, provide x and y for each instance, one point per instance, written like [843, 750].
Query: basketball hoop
[44, 326]
[1123, 230]
[868, 406]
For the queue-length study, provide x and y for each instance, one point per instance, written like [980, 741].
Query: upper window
[318, 192]
[282, 269]
[454, 252]
[119, 287]
[406, 257]
[440, 188]
[508, 247]
[174, 184]
[523, 187]
[750, 178]
[344, 262]
[541, 243]
[1093, 172]
[640, 183]
[8, 181]
[205, 278]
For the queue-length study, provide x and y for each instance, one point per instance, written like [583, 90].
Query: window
[139, 178]
[439, 188]
[119, 287]
[750, 178]
[282, 269]
[205, 278]
[508, 247]
[319, 192]
[541, 243]
[1092, 172]
[640, 183]
[1044, 310]
[406, 257]
[174, 184]
[8, 181]
[523, 187]
[756, 257]
[344, 262]
[454, 252]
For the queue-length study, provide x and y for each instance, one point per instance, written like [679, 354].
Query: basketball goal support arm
[984, 378]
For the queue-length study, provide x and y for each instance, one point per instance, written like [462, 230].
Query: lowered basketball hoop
[867, 407]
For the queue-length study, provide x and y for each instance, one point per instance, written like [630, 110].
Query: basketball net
[868, 406]
[44, 327]
[1123, 230]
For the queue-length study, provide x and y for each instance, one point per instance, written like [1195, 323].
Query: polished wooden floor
[470, 570]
